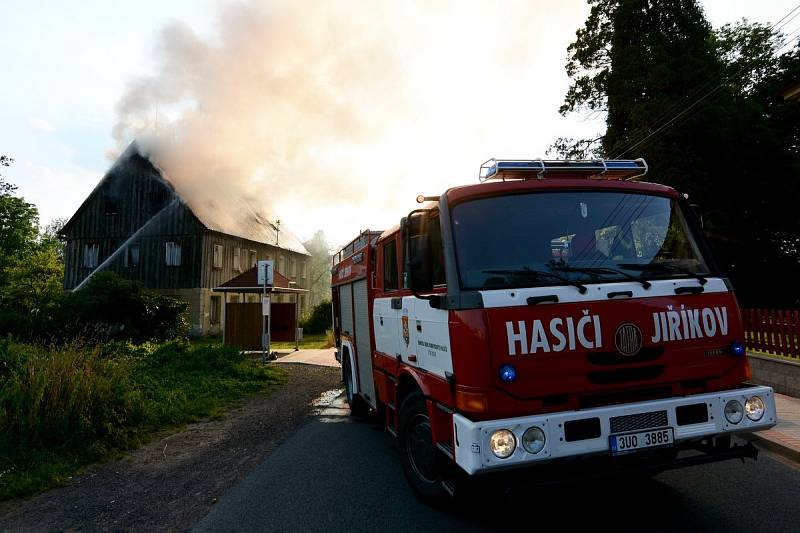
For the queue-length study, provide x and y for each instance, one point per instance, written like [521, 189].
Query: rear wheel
[358, 407]
[417, 451]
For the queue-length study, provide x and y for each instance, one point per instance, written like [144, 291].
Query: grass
[63, 408]
[309, 342]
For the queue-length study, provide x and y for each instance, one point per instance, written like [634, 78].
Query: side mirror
[418, 253]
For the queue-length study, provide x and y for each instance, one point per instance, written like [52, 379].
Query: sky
[432, 90]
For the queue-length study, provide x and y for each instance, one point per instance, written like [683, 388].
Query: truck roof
[492, 188]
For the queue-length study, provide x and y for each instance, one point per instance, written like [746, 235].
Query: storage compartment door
[363, 348]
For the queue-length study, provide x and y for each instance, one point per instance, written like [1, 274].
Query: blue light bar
[628, 169]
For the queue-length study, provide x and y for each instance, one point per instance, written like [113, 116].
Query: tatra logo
[628, 339]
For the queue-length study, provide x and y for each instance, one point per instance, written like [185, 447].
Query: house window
[173, 256]
[303, 267]
[237, 263]
[111, 205]
[281, 264]
[131, 258]
[292, 267]
[91, 254]
[253, 258]
[216, 307]
[218, 251]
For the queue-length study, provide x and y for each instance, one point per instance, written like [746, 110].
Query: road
[340, 474]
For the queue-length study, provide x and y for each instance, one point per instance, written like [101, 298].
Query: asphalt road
[340, 474]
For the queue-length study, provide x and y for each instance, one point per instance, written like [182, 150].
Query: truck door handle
[547, 298]
[689, 290]
[397, 303]
[620, 294]
[419, 325]
[381, 321]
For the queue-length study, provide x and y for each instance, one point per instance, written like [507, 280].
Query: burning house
[175, 239]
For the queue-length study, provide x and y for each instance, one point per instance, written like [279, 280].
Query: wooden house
[143, 226]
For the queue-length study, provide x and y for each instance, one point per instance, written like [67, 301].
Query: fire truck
[554, 319]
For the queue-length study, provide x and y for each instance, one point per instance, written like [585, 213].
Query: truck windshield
[558, 238]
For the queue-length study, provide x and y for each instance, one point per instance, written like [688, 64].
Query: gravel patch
[172, 482]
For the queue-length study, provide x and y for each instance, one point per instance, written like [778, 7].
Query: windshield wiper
[664, 267]
[537, 274]
[604, 270]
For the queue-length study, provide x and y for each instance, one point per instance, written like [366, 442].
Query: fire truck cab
[555, 317]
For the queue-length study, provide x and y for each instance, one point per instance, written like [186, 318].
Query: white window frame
[172, 253]
[253, 258]
[91, 255]
[218, 256]
[292, 267]
[237, 261]
[215, 310]
[128, 258]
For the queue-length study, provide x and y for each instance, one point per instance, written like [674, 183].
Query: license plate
[643, 439]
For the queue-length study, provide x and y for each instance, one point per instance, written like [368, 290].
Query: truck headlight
[503, 443]
[734, 411]
[533, 439]
[754, 407]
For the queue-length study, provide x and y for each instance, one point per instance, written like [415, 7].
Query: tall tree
[701, 107]
[319, 270]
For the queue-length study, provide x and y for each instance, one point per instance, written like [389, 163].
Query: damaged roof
[218, 208]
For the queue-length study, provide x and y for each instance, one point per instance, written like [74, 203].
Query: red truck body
[550, 312]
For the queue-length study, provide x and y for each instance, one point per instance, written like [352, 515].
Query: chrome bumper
[472, 452]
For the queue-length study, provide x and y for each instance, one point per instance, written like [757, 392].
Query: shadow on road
[337, 473]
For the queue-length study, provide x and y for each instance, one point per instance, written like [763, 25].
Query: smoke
[349, 109]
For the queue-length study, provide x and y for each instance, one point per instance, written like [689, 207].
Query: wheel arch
[407, 382]
[347, 352]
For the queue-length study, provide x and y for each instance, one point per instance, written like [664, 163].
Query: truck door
[386, 312]
[428, 327]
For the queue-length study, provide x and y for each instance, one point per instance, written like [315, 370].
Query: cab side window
[390, 277]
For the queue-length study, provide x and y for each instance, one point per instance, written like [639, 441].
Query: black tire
[419, 457]
[358, 407]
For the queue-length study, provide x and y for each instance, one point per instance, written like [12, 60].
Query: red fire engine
[555, 317]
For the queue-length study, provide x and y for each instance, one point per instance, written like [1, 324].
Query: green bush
[112, 308]
[319, 320]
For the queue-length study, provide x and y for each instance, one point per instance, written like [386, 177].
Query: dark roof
[248, 282]
[225, 211]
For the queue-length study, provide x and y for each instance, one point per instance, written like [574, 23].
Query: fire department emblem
[405, 329]
[628, 339]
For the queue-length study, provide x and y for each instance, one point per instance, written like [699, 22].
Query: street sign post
[266, 279]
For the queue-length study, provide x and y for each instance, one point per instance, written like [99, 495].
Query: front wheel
[417, 451]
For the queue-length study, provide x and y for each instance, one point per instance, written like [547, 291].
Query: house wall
[214, 277]
[132, 197]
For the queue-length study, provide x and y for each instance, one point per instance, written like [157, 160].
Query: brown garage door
[243, 324]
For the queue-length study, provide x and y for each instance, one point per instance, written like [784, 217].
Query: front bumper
[473, 454]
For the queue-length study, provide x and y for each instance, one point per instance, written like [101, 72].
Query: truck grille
[622, 424]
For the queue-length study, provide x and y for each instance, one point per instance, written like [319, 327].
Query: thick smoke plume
[343, 111]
